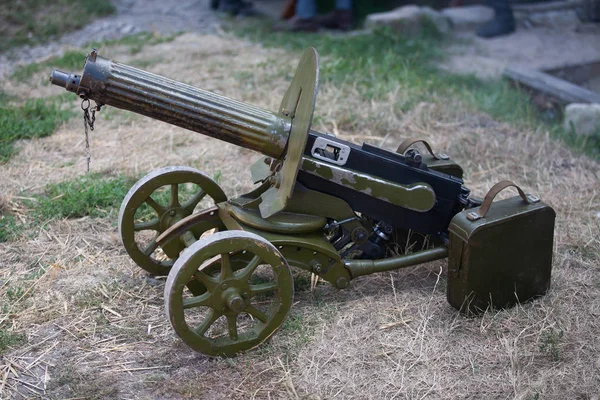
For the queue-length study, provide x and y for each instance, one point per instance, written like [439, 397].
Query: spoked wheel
[155, 203]
[249, 291]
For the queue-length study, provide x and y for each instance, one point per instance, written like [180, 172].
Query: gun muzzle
[118, 85]
[68, 81]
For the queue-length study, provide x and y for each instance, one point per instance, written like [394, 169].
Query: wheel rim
[142, 217]
[240, 309]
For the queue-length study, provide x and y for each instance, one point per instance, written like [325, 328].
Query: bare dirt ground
[95, 324]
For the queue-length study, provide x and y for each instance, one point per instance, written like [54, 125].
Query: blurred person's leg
[289, 9]
[340, 18]
[503, 22]
[343, 5]
[305, 19]
[236, 7]
[306, 9]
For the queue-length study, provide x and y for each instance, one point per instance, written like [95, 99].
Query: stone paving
[132, 16]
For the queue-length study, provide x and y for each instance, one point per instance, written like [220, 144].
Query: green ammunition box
[436, 161]
[500, 254]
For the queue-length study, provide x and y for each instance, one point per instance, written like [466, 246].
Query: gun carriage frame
[322, 205]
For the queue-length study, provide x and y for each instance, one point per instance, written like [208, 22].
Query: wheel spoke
[226, 271]
[191, 203]
[197, 301]
[256, 313]
[196, 287]
[206, 280]
[150, 247]
[208, 321]
[153, 225]
[155, 206]
[232, 326]
[245, 273]
[263, 288]
[167, 263]
[174, 195]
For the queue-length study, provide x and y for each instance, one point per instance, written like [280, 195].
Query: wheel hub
[231, 296]
[171, 217]
[235, 302]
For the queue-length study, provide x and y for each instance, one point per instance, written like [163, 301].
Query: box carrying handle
[489, 197]
[410, 141]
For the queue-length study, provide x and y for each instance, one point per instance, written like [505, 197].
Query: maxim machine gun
[323, 205]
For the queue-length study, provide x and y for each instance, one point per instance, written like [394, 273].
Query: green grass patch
[71, 61]
[381, 62]
[95, 195]
[9, 229]
[374, 63]
[91, 195]
[504, 102]
[9, 339]
[5, 97]
[29, 22]
[136, 42]
[497, 97]
[33, 119]
[550, 343]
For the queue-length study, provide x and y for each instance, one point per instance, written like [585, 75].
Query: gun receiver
[387, 186]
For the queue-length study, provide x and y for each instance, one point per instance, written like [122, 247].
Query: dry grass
[94, 322]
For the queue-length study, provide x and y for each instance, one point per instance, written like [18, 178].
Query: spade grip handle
[118, 85]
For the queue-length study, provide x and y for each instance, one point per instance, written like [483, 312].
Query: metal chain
[88, 123]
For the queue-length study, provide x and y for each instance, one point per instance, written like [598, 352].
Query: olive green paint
[500, 259]
[418, 196]
[165, 216]
[298, 104]
[228, 293]
[122, 86]
[279, 224]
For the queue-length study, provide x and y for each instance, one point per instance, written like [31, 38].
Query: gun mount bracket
[299, 104]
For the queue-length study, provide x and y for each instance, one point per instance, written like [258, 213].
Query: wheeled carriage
[321, 204]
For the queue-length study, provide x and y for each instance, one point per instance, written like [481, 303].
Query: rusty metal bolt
[235, 303]
[93, 54]
[359, 235]
[341, 283]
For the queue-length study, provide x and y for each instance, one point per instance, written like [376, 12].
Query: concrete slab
[408, 20]
[536, 48]
[468, 18]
